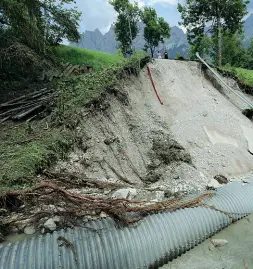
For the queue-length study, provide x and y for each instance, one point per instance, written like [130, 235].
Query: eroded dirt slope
[196, 135]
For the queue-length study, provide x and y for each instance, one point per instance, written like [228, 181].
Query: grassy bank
[244, 77]
[77, 56]
[27, 149]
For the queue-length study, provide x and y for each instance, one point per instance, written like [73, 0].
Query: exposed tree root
[71, 205]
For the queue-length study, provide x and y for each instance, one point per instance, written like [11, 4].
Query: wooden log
[26, 113]
[22, 97]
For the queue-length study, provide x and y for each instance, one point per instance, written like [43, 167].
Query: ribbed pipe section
[149, 244]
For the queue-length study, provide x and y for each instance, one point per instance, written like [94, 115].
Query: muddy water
[237, 254]
[18, 238]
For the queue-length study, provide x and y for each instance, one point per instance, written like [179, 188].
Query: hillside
[79, 56]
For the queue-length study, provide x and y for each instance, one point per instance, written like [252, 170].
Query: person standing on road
[159, 55]
[166, 55]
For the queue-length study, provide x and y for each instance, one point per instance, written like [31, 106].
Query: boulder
[125, 194]
[29, 230]
[50, 225]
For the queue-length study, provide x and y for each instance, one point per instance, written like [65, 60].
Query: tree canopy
[36, 23]
[156, 29]
[214, 16]
[126, 26]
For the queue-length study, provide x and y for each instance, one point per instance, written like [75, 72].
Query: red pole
[153, 83]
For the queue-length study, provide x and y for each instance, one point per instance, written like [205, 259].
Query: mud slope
[197, 134]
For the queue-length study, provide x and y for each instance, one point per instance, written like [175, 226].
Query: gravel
[205, 125]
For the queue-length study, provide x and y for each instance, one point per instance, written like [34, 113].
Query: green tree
[37, 23]
[216, 15]
[156, 29]
[233, 51]
[250, 55]
[126, 27]
[203, 45]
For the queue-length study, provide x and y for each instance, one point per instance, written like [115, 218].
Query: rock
[168, 194]
[50, 225]
[213, 184]
[219, 242]
[125, 193]
[56, 219]
[221, 179]
[103, 215]
[29, 230]
[160, 196]
[109, 141]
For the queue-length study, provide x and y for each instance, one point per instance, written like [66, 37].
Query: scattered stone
[219, 242]
[213, 184]
[125, 194]
[160, 196]
[221, 179]
[29, 230]
[50, 225]
[107, 192]
[109, 141]
[103, 215]
[168, 194]
[56, 219]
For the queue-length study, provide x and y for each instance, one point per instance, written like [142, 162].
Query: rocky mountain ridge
[177, 43]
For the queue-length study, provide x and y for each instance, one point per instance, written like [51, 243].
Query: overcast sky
[100, 14]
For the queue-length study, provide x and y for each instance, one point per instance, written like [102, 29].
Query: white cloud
[96, 14]
[100, 14]
[170, 2]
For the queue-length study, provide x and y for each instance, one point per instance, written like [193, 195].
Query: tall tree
[156, 29]
[126, 27]
[39, 22]
[215, 15]
[233, 51]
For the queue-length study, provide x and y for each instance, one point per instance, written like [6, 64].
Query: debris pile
[28, 106]
[54, 199]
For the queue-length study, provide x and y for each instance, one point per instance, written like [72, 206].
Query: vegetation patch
[77, 56]
[243, 77]
[29, 148]
[90, 89]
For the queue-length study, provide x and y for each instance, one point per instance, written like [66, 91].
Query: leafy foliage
[217, 16]
[233, 51]
[202, 45]
[38, 23]
[29, 148]
[126, 28]
[156, 30]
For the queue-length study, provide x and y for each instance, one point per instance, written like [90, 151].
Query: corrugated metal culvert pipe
[152, 243]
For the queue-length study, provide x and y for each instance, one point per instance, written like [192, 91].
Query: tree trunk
[152, 52]
[219, 44]
[219, 34]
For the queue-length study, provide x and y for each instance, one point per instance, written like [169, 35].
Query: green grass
[27, 149]
[78, 56]
[244, 75]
